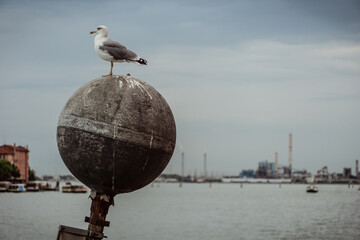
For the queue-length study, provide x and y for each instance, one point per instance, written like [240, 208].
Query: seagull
[112, 51]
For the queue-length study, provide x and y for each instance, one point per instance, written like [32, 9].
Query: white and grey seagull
[112, 51]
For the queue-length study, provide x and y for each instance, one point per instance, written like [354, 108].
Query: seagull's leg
[112, 65]
[110, 74]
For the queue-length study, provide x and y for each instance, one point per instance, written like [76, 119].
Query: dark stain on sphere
[116, 134]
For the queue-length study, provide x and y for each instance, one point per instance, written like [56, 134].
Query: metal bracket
[96, 235]
[98, 222]
[66, 232]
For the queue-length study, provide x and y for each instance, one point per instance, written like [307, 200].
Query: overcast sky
[238, 75]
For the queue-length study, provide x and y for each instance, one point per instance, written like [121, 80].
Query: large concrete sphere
[116, 134]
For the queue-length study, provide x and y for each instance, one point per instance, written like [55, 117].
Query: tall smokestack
[276, 162]
[182, 168]
[205, 175]
[182, 164]
[357, 169]
[290, 153]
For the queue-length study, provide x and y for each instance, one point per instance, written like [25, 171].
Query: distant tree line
[32, 175]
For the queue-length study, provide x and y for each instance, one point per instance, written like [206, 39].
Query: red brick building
[19, 156]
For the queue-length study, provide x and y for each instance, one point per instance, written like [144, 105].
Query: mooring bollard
[116, 134]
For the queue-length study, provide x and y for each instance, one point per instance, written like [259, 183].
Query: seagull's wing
[118, 51]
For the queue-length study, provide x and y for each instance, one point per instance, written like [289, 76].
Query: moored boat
[69, 188]
[4, 185]
[48, 187]
[33, 186]
[312, 189]
[17, 188]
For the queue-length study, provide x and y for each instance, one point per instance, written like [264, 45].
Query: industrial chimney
[205, 175]
[290, 153]
[276, 162]
[182, 168]
[357, 169]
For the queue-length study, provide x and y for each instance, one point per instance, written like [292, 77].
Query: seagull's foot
[107, 75]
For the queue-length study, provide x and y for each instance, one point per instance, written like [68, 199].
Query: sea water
[194, 211]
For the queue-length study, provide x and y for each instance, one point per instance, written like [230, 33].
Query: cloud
[261, 80]
[258, 60]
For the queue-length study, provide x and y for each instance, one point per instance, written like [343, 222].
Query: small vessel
[69, 188]
[48, 187]
[33, 186]
[4, 185]
[17, 188]
[312, 189]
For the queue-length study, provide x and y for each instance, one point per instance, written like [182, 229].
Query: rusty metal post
[97, 220]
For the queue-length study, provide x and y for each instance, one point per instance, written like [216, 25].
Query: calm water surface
[195, 211]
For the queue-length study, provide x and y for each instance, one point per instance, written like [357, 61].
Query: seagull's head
[101, 30]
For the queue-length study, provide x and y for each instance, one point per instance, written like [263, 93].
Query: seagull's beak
[93, 32]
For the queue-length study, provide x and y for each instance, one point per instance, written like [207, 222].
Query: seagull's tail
[142, 61]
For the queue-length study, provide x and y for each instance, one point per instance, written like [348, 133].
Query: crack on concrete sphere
[116, 134]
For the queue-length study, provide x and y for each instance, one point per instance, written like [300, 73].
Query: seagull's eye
[98, 28]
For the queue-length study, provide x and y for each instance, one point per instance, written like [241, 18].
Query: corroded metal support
[97, 220]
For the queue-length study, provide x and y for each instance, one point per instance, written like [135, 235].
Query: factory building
[324, 176]
[347, 172]
[247, 173]
[265, 170]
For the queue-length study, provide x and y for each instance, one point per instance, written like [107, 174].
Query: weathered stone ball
[116, 134]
